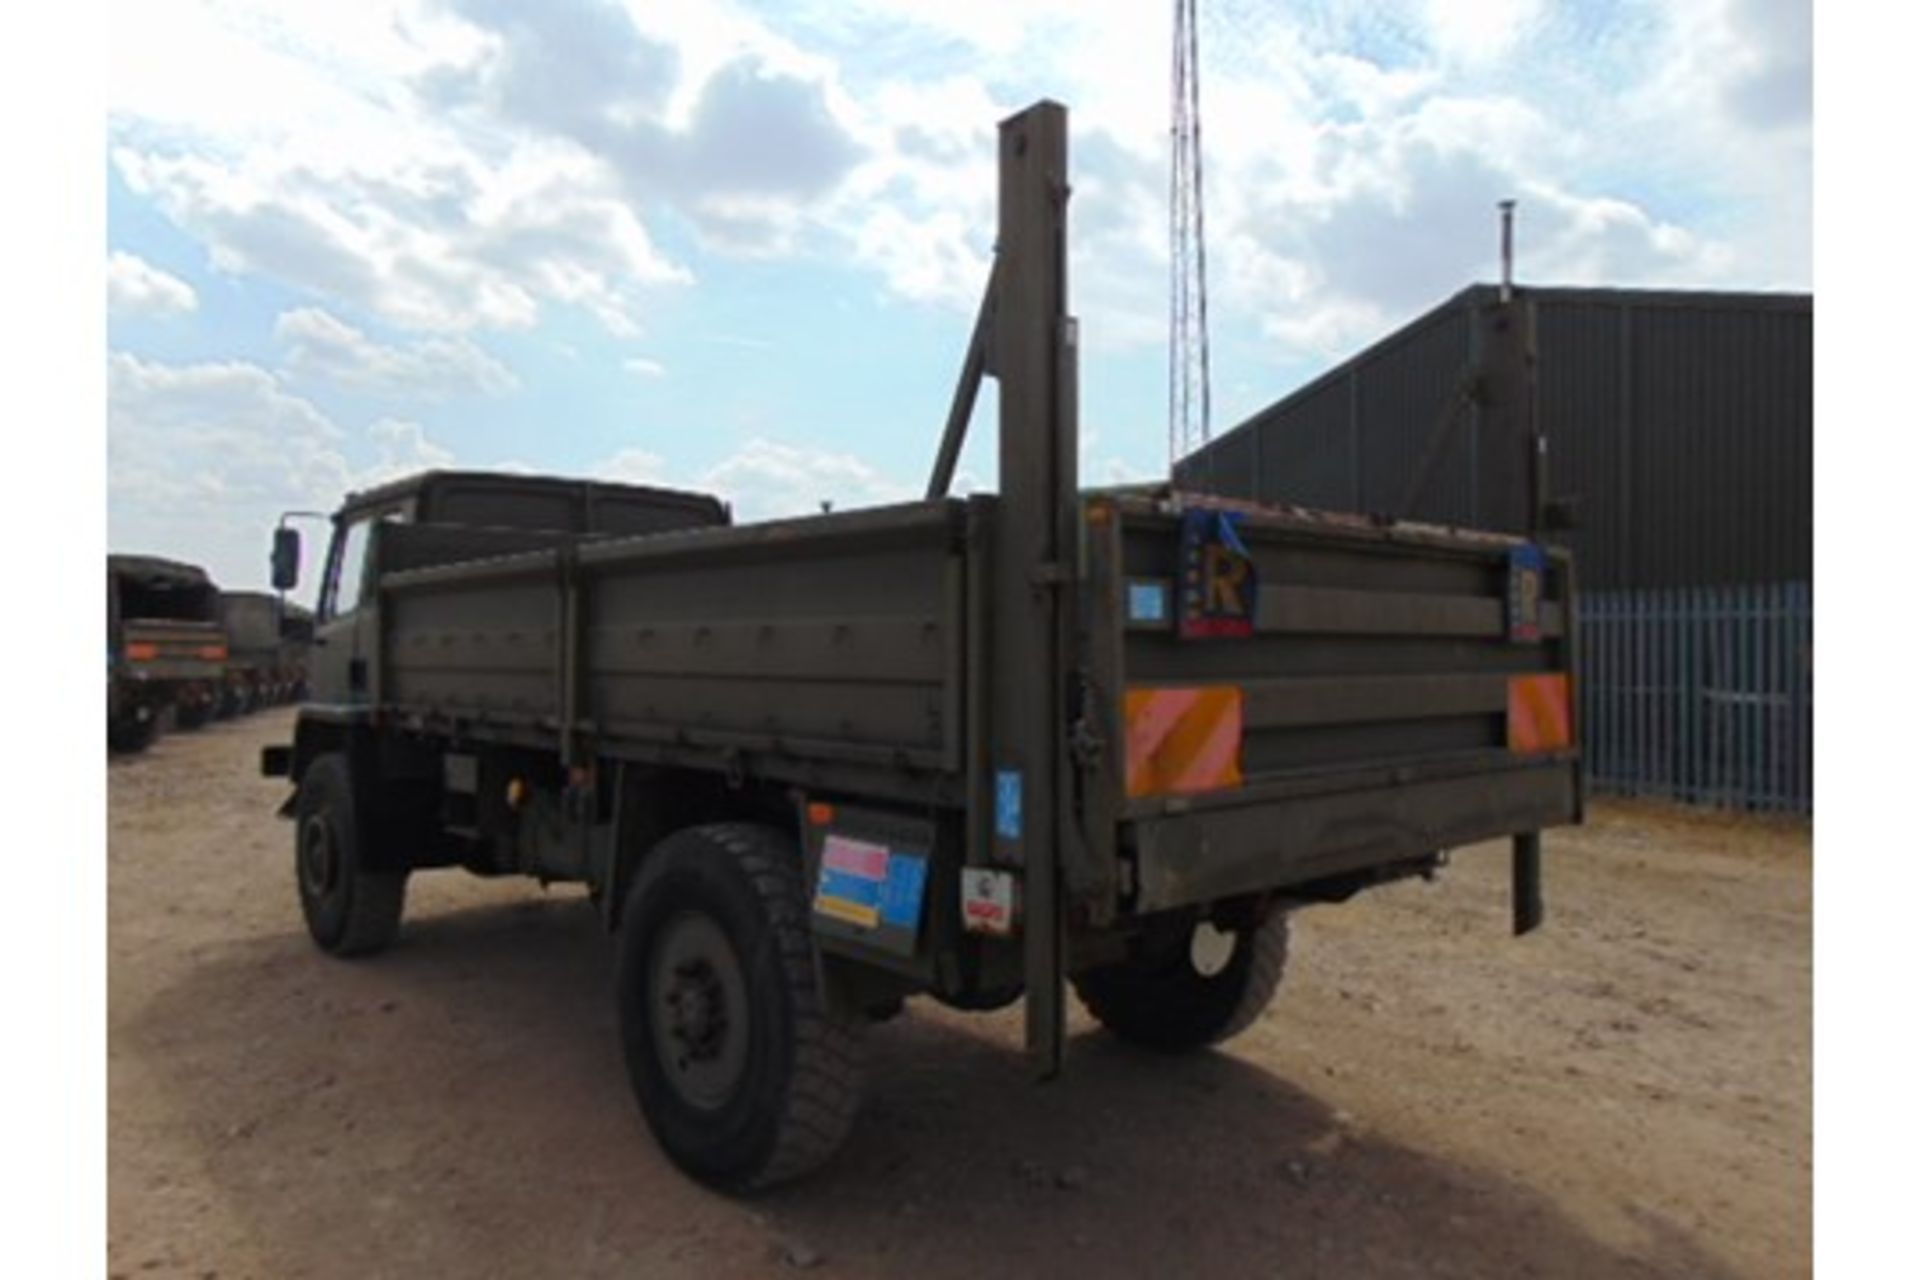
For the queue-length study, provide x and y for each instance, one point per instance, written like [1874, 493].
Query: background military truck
[974, 749]
[266, 651]
[166, 652]
[296, 644]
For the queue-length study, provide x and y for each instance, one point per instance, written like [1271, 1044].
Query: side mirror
[286, 558]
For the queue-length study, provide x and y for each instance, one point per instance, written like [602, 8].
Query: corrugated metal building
[1682, 424]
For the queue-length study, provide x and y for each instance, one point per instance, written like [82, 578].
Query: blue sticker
[1006, 804]
[847, 887]
[901, 894]
[1146, 602]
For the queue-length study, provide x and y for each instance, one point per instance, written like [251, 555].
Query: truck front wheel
[351, 909]
[745, 1077]
[1199, 987]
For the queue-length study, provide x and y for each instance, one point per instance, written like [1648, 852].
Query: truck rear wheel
[351, 909]
[132, 731]
[745, 1077]
[1199, 988]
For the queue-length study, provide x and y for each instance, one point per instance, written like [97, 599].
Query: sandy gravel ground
[1625, 1094]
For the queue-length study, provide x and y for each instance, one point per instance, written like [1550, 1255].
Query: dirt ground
[1627, 1093]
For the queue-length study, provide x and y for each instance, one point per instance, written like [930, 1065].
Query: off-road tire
[351, 909]
[1160, 1000]
[129, 734]
[798, 1084]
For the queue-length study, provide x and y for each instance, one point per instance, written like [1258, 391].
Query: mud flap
[1529, 906]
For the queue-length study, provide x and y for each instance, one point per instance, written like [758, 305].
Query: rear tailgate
[1298, 695]
[174, 649]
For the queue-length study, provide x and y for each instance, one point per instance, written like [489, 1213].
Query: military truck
[977, 749]
[296, 641]
[266, 651]
[166, 652]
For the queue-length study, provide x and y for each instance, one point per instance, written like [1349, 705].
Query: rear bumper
[1258, 840]
[178, 670]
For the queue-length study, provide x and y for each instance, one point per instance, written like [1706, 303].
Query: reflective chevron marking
[1183, 740]
[1539, 713]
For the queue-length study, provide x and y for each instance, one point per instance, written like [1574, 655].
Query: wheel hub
[700, 1013]
[699, 1007]
[1210, 949]
[319, 860]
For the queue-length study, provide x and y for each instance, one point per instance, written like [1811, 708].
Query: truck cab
[461, 515]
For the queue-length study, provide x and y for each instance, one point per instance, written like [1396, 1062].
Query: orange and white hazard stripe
[1539, 713]
[1183, 740]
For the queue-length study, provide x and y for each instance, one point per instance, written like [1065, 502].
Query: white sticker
[986, 900]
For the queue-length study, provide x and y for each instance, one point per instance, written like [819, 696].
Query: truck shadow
[459, 1107]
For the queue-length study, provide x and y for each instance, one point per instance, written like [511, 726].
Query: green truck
[166, 649]
[267, 642]
[980, 750]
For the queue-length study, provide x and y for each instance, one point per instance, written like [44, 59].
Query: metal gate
[1701, 695]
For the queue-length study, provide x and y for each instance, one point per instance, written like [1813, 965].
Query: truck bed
[826, 650]
[1365, 716]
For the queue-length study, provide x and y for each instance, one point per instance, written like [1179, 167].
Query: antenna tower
[1189, 397]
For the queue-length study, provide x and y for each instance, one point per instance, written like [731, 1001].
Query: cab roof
[157, 570]
[420, 481]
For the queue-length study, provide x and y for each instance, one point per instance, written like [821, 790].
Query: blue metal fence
[1700, 695]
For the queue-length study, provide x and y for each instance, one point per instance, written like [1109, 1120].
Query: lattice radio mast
[1189, 397]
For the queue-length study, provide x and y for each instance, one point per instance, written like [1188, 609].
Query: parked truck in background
[976, 749]
[265, 652]
[296, 645]
[166, 651]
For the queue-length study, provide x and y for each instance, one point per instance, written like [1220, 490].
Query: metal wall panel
[1311, 461]
[1683, 423]
[1403, 388]
[1234, 465]
[1584, 404]
[1719, 480]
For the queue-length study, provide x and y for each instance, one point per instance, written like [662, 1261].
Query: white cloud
[322, 348]
[1354, 154]
[1478, 30]
[641, 366]
[463, 165]
[137, 287]
[453, 166]
[1403, 215]
[403, 448]
[634, 466]
[203, 458]
[445, 240]
[457, 166]
[765, 479]
[936, 257]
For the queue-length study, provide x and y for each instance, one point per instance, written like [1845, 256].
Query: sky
[738, 247]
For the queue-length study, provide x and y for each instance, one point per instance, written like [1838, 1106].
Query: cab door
[346, 626]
